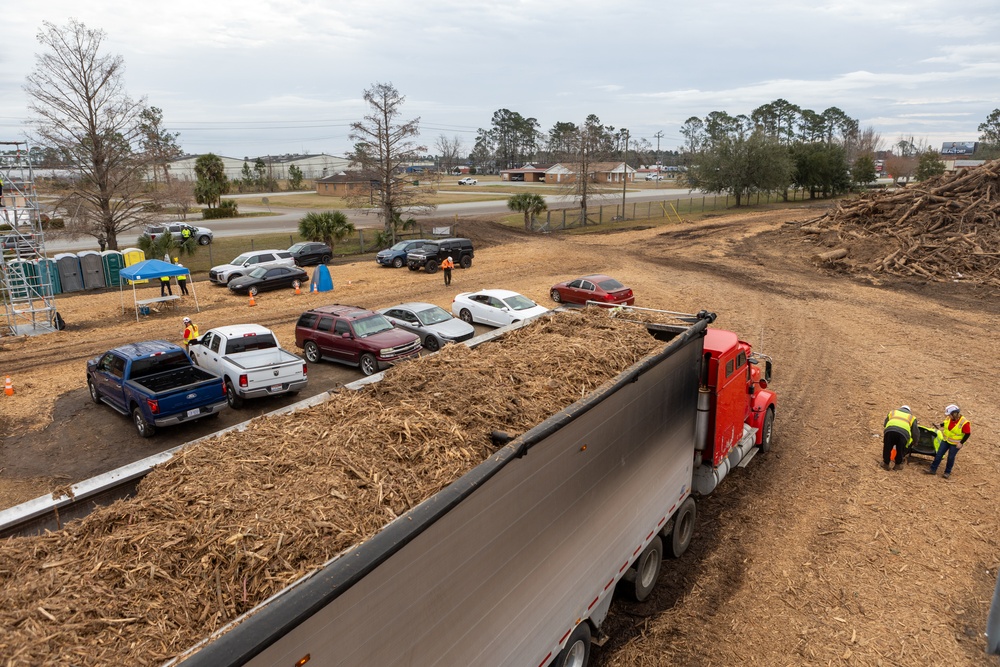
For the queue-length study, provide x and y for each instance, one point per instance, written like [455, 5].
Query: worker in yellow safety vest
[165, 288]
[190, 331]
[899, 428]
[182, 279]
[955, 430]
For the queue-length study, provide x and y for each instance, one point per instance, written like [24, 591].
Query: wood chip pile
[943, 229]
[229, 522]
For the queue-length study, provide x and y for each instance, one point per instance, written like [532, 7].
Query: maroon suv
[354, 336]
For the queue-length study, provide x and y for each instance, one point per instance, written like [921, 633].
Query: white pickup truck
[250, 360]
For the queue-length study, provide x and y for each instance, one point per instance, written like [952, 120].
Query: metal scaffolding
[27, 276]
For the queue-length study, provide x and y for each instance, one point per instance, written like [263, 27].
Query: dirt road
[811, 555]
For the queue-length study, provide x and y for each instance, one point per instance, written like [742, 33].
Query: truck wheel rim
[576, 655]
[648, 570]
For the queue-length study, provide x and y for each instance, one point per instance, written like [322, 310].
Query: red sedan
[598, 287]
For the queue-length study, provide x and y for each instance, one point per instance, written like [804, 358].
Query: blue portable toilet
[321, 280]
[70, 273]
[113, 262]
[48, 274]
[92, 269]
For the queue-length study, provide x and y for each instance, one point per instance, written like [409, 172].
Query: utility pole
[659, 165]
[624, 173]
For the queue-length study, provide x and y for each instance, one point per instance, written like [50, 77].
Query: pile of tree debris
[943, 229]
[227, 523]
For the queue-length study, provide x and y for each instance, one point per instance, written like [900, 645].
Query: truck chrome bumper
[266, 391]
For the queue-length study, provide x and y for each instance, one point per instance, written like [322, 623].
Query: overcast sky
[250, 78]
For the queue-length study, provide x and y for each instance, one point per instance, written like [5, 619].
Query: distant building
[313, 166]
[344, 183]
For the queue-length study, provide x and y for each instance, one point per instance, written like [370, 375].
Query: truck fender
[763, 401]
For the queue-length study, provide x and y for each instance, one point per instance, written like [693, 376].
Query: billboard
[958, 148]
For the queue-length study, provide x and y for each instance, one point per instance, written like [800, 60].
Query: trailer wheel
[235, 400]
[767, 432]
[647, 571]
[577, 650]
[144, 428]
[680, 536]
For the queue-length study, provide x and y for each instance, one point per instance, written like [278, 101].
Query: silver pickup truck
[250, 360]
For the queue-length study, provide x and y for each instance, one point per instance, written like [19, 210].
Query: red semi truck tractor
[517, 561]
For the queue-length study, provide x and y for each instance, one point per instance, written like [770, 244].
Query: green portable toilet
[48, 274]
[21, 274]
[113, 262]
[134, 256]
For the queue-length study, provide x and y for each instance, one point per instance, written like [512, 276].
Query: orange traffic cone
[297, 289]
[252, 302]
[8, 387]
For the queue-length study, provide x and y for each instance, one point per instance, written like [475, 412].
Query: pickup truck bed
[175, 380]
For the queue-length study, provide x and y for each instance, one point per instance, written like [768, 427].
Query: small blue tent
[321, 280]
[152, 269]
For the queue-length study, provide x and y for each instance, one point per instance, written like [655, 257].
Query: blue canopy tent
[153, 269]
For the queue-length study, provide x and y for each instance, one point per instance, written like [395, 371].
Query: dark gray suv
[429, 255]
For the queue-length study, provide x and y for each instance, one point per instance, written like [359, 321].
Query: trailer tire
[767, 431]
[145, 429]
[235, 400]
[647, 571]
[576, 653]
[683, 530]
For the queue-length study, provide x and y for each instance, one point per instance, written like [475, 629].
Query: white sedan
[495, 307]
[467, 181]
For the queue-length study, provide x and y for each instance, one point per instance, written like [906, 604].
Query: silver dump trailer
[514, 563]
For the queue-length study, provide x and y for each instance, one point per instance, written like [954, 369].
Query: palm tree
[328, 227]
[528, 204]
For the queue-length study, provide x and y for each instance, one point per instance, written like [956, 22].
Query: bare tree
[83, 111]
[383, 146]
[450, 150]
[159, 145]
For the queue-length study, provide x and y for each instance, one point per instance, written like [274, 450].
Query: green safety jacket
[901, 420]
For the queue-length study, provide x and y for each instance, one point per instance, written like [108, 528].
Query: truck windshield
[158, 364]
[368, 326]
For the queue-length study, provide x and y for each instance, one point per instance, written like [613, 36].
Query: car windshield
[297, 247]
[241, 259]
[368, 326]
[433, 315]
[518, 302]
[610, 285]
[259, 272]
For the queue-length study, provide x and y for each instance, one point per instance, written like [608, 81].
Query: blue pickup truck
[154, 382]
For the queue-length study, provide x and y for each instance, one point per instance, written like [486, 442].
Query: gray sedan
[434, 325]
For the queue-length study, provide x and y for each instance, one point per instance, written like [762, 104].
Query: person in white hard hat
[899, 428]
[955, 430]
[190, 331]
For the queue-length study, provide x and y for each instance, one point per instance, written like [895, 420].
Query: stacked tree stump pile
[229, 522]
[943, 229]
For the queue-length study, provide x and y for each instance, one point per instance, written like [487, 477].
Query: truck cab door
[112, 377]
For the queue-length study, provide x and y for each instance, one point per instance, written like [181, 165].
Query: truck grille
[401, 350]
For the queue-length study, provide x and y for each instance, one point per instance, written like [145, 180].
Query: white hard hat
[187, 319]
[951, 408]
[905, 408]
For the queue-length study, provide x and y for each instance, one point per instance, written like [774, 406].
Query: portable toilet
[321, 280]
[113, 263]
[22, 278]
[134, 256]
[48, 275]
[70, 273]
[92, 269]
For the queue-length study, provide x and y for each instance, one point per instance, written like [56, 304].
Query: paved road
[287, 219]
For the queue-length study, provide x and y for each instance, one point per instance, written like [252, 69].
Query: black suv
[429, 255]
